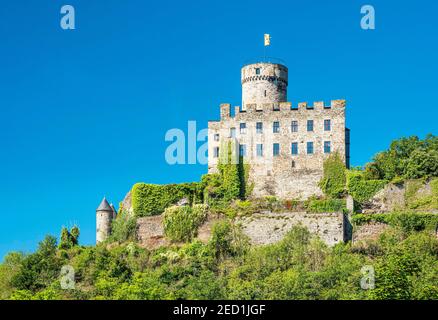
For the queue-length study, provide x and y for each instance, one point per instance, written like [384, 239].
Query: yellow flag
[267, 39]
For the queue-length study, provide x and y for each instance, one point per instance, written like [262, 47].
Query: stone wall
[285, 175]
[261, 228]
[369, 231]
[263, 83]
[397, 196]
[150, 231]
[266, 228]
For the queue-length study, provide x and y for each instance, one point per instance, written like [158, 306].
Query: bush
[152, 199]
[227, 240]
[325, 206]
[123, 228]
[406, 221]
[181, 223]
[333, 181]
[361, 189]
[422, 163]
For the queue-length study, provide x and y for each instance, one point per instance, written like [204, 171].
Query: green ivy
[153, 199]
[333, 181]
[229, 167]
[406, 221]
[421, 202]
[325, 206]
[181, 223]
[361, 189]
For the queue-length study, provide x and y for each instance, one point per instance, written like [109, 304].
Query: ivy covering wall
[360, 188]
[153, 199]
[333, 181]
[406, 221]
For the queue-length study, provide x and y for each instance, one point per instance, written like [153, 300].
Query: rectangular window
[309, 125]
[276, 149]
[216, 152]
[242, 150]
[327, 125]
[276, 127]
[257, 70]
[216, 137]
[309, 147]
[259, 150]
[294, 148]
[232, 132]
[294, 126]
[259, 127]
[243, 128]
[327, 147]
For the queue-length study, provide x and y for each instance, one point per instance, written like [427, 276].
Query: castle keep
[283, 144]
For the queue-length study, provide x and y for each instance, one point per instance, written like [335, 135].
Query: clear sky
[84, 112]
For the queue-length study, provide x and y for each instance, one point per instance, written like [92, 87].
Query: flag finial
[267, 39]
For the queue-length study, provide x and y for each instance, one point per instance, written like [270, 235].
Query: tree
[406, 158]
[70, 238]
[421, 164]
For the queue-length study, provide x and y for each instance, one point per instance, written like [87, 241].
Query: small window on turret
[257, 70]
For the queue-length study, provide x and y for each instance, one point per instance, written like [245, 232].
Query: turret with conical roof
[104, 218]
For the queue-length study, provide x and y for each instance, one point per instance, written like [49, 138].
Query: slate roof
[104, 206]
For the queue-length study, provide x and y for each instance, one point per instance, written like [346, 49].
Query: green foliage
[407, 222]
[213, 188]
[181, 223]
[361, 189]
[417, 201]
[227, 240]
[325, 205]
[392, 277]
[298, 267]
[38, 270]
[152, 199]
[230, 170]
[8, 269]
[123, 228]
[410, 158]
[422, 163]
[333, 181]
[70, 238]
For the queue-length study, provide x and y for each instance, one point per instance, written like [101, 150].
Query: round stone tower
[104, 218]
[264, 82]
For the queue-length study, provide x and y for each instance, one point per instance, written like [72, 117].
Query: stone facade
[104, 218]
[268, 228]
[267, 123]
[262, 228]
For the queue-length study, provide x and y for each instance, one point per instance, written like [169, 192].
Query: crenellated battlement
[320, 106]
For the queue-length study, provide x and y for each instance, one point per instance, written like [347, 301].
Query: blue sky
[84, 112]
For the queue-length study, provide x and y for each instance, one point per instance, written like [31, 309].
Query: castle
[283, 144]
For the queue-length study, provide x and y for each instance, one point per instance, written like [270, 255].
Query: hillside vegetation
[404, 257]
